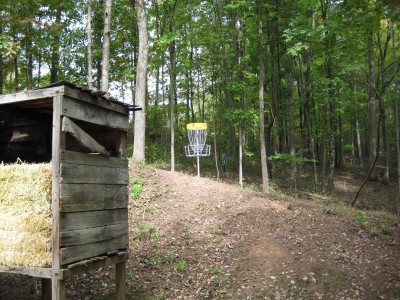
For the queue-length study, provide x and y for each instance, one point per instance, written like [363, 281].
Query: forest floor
[196, 238]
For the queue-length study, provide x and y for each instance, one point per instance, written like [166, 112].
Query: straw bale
[25, 215]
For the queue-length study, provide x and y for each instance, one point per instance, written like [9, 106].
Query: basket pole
[198, 166]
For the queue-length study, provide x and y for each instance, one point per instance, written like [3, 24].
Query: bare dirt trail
[197, 238]
[238, 244]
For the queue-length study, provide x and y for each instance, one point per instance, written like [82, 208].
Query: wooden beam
[57, 284]
[79, 158]
[32, 271]
[82, 96]
[74, 173]
[120, 280]
[95, 263]
[82, 137]
[92, 235]
[31, 95]
[91, 113]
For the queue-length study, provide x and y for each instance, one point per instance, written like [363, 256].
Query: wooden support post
[120, 280]
[57, 284]
[58, 289]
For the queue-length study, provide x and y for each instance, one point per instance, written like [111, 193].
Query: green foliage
[136, 189]
[7, 45]
[360, 218]
[180, 265]
[287, 157]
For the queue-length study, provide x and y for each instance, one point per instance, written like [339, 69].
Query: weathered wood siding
[93, 187]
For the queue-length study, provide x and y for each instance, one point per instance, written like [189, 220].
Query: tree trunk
[383, 83]
[227, 76]
[264, 166]
[308, 96]
[29, 56]
[55, 54]
[240, 155]
[292, 142]
[396, 104]
[140, 91]
[358, 136]
[331, 99]
[89, 45]
[172, 101]
[371, 109]
[214, 128]
[16, 71]
[105, 65]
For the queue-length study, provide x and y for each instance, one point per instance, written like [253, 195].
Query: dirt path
[200, 239]
[210, 240]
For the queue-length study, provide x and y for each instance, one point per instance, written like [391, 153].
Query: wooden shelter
[83, 134]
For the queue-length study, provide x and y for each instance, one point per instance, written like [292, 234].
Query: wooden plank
[91, 235]
[94, 114]
[86, 197]
[58, 139]
[90, 219]
[31, 95]
[95, 263]
[82, 137]
[118, 107]
[32, 271]
[80, 252]
[74, 173]
[57, 284]
[93, 159]
[58, 291]
[120, 281]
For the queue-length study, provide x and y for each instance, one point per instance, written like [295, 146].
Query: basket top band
[196, 126]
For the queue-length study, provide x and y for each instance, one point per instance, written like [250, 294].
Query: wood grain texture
[90, 219]
[76, 253]
[91, 235]
[93, 159]
[74, 173]
[86, 197]
[94, 114]
[82, 137]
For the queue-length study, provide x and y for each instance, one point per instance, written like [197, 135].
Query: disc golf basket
[197, 134]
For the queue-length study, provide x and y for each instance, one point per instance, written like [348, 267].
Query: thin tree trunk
[264, 165]
[396, 103]
[55, 54]
[383, 84]
[308, 96]
[157, 32]
[140, 90]
[312, 145]
[29, 56]
[331, 98]
[371, 109]
[214, 129]
[292, 142]
[105, 65]
[358, 136]
[240, 155]
[16, 71]
[228, 92]
[89, 45]
[172, 101]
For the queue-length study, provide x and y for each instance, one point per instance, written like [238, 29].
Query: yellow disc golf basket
[197, 134]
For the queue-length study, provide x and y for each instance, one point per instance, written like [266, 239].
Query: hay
[25, 215]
